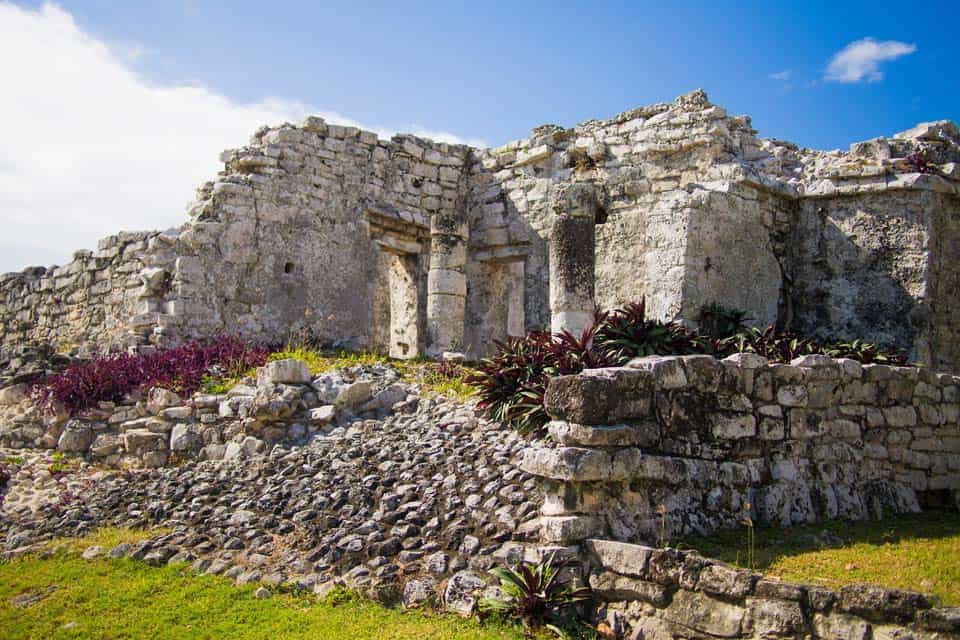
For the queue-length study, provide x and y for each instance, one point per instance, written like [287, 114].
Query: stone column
[446, 283]
[572, 258]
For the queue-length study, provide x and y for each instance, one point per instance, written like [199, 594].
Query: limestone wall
[95, 298]
[681, 222]
[711, 441]
[293, 233]
[410, 246]
[873, 265]
[667, 593]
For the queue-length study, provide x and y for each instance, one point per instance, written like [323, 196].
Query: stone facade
[660, 594]
[692, 444]
[412, 247]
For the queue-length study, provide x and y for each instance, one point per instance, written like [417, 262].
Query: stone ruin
[414, 247]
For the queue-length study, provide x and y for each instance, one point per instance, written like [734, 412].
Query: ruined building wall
[412, 247]
[319, 226]
[89, 300]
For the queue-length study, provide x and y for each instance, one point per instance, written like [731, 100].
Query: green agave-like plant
[539, 597]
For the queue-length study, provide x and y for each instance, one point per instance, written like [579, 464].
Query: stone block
[900, 416]
[616, 588]
[747, 360]
[140, 441]
[571, 433]
[159, 399]
[75, 438]
[733, 426]
[879, 604]
[708, 615]
[838, 626]
[620, 557]
[792, 396]
[579, 399]
[14, 394]
[726, 581]
[288, 371]
[353, 395]
[569, 529]
[580, 464]
[774, 618]
[668, 371]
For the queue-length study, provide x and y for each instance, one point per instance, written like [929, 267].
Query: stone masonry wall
[708, 442]
[659, 594]
[96, 298]
[283, 238]
[411, 246]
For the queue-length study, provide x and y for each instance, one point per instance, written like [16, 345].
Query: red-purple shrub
[182, 369]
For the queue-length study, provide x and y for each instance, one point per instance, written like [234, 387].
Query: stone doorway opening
[399, 314]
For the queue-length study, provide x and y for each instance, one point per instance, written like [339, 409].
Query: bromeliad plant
[627, 333]
[540, 596]
[182, 369]
[512, 384]
[864, 352]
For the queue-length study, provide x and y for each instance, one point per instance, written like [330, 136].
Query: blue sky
[493, 70]
[114, 112]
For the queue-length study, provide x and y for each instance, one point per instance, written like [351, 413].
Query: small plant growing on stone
[751, 536]
[182, 369]
[864, 352]
[919, 162]
[540, 597]
[662, 510]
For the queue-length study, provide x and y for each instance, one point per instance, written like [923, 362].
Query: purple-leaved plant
[181, 369]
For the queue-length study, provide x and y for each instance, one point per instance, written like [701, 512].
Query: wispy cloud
[860, 61]
[91, 147]
[782, 76]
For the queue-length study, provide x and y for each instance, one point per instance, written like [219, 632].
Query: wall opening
[404, 306]
[288, 267]
[497, 305]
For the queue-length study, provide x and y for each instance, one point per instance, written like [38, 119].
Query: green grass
[915, 552]
[417, 370]
[128, 599]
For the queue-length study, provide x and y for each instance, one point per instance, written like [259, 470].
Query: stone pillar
[572, 258]
[446, 283]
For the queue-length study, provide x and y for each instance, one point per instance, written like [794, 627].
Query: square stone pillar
[447, 283]
[572, 259]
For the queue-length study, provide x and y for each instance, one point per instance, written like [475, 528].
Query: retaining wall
[695, 444]
[655, 594]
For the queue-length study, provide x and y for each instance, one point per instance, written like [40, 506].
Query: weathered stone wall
[869, 266]
[708, 442]
[291, 234]
[94, 299]
[667, 593]
[411, 246]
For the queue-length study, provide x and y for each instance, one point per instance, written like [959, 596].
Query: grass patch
[918, 552]
[107, 537]
[432, 377]
[127, 599]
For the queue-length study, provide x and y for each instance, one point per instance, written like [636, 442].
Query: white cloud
[89, 147]
[860, 60]
[782, 76]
